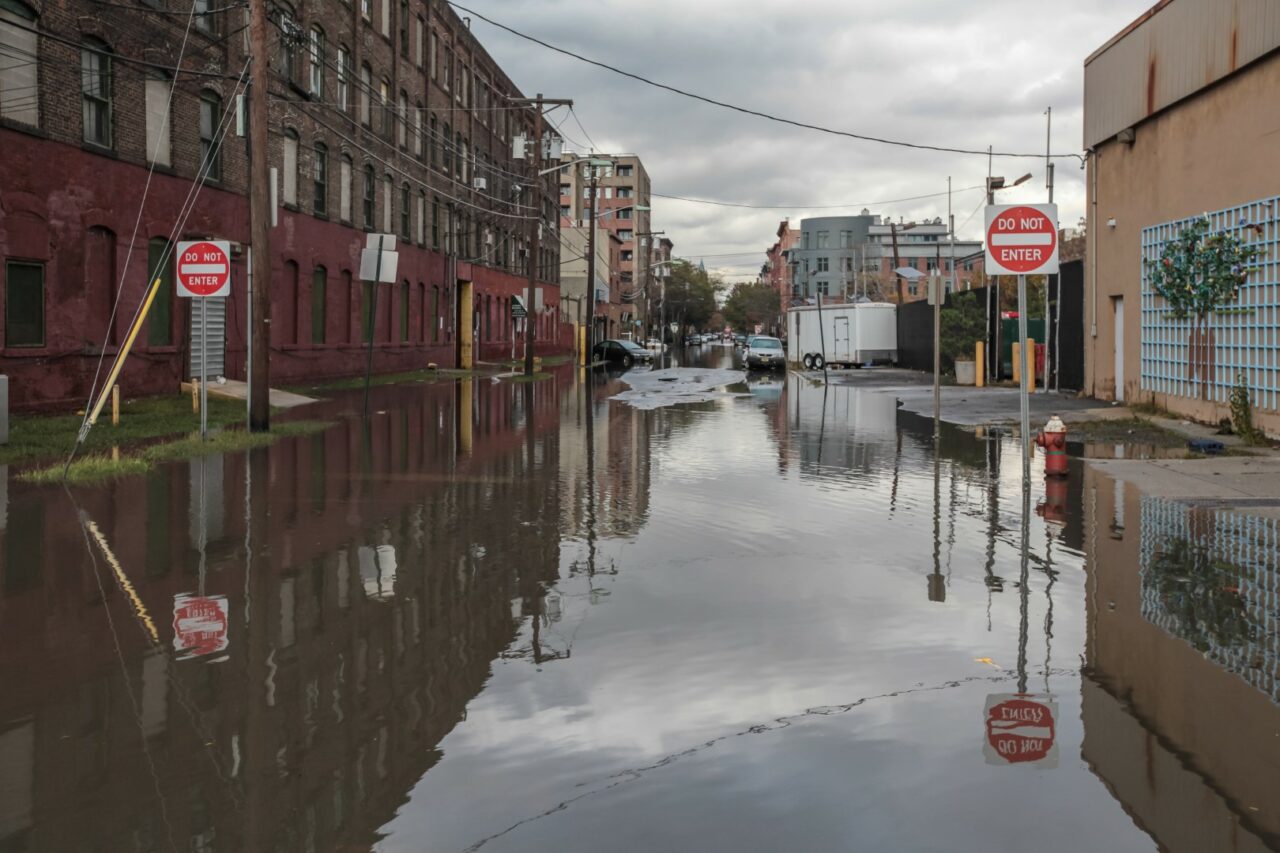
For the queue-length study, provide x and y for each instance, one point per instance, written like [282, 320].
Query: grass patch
[98, 468]
[1125, 431]
[37, 437]
[520, 377]
[88, 470]
[352, 383]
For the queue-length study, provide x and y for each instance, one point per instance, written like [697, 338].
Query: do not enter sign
[1022, 239]
[204, 268]
[1021, 728]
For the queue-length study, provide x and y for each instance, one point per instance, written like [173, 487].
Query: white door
[842, 340]
[1118, 302]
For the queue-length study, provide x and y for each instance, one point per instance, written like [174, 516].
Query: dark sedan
[625, 353]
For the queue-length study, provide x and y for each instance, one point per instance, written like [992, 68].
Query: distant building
[622, 207]
[1180, 118]
[601, 305]
[851, 256]
[777, 265]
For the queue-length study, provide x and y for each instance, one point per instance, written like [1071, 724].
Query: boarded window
[160, 320]
[23, 304]
[319, 298]
[157, 96]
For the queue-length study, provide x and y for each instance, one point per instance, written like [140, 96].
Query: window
[366, 9]
[384, 106]
[822, 240]
[387, 202]
[23, 304]
[417, 130]
[627, 255]
[404, 28]
[19, 61]
[402, 120]
[625, 213]
[625, 171]
[824, 264]
[419, 28]
[384, 12]
[404, 312]
[318, 303]
[405, 212]
[320, 179]
[448, 150]
[367, 199]
[625, 192]
[366, 86]
[806, 239]
[344, 189]
[95, 88]
[435, 222]
[344, 78]
[290, 168]
[434, 143]
[288, 55]
[566, 211]
[460, 157]
[626, 235]
[431, 59]
[210, 147]
[157, 97]
[160, 321]
[421, 233]
[315, 57]
[447, 62]
[206, 19]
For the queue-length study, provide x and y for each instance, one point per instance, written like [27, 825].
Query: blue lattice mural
[1245, 335]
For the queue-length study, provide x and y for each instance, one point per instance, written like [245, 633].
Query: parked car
[653, 343]
[739, 340]
[625, 353]
[765, 353]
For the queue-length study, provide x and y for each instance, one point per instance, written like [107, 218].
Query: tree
[752, 303]
[690, 294]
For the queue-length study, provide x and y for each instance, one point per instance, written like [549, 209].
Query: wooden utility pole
[902, 293]
[591, 257]
[535, 234]
[259, 221]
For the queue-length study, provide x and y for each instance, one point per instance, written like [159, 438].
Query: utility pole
[259, 222]
[1048, 177]
[594, 188]
[902, 293]
[987, 347]
[535, 221]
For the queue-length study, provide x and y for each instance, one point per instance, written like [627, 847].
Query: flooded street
[494, 617]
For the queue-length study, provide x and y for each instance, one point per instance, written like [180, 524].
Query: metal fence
[1235, 621]
[1246, 334]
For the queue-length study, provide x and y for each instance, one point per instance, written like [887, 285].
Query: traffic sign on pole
[1022, 239]
[518, 311]
[1021, 728]
[204, 268]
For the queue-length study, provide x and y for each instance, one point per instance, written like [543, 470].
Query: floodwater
[495, 618]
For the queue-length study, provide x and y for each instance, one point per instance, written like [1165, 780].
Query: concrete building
[622, 207]
[847, 256]
[1181, 120]
[602, 305]
[382, 119]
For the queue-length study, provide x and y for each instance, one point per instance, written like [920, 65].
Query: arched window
[210, 142]
[402, 120]
[366, 88]
[19, 63]
[160, 318]
[96, 92]
[290, 167]
[344, 77]
[100, 280]
[156, 89]
[289, 30]
[206, 17]
[384, 106]
[344, 189]
[388, 203]
[417, 130]
[448, 149]
[319, 303]
[460, 151]
[316, 63]
[420, 234]
[405, 212]
[367, 198]
[320, 179]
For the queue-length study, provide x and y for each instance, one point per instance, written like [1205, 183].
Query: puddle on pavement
[495, 617]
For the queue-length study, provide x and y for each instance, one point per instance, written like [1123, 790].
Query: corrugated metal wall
[217, 316]
[1182, 48]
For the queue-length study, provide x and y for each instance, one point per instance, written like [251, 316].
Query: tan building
[622, 206]
[604, 302]
[1182, 121]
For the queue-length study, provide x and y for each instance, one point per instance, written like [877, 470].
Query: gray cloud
[958, 73]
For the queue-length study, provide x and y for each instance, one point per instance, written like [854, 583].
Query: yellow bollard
[195, 396]
[980, 364]
[115, 453]
[1017, 363]
[115, 405]
[1031, 363]
[583, 355]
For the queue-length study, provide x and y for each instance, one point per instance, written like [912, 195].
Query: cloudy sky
[955, 73]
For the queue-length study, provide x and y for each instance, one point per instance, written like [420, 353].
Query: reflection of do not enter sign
[204, 268]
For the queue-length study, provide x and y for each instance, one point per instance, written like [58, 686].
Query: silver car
[765, 353]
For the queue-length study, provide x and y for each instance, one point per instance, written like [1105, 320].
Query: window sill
[95, 148]
[167, 349]
[20, 127]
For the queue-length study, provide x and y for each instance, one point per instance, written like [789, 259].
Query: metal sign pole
[373, 313]
[204, 368]
[1023, 402]
[248, 341]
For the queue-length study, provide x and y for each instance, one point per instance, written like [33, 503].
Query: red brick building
[385, 116]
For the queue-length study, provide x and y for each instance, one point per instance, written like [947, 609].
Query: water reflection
[525, 617]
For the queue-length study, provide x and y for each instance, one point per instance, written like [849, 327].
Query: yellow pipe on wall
[120, 358]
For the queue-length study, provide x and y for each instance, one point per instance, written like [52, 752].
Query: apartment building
[120, 139]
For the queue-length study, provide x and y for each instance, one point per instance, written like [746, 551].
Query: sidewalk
[234, 389]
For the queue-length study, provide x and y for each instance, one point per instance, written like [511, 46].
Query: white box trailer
[850, 335]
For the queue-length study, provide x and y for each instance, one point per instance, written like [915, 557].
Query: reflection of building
[1157, 97]
[1185, 738]
[395, 567]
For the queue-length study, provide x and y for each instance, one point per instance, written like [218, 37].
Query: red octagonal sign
[204, 268]
[1021, 728]
[1022, 239]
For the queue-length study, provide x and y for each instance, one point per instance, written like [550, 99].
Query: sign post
[518, 312]
[378, 263]
[204, 272]
[1022, 240]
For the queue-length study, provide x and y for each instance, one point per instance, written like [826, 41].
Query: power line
[747, 110]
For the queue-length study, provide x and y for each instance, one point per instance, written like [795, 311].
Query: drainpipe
[1093, 277]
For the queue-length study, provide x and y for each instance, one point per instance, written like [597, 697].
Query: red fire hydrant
[1053, 440]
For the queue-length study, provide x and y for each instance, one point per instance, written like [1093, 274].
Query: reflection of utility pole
[993, 581]
[1024, 582]
[937, 584]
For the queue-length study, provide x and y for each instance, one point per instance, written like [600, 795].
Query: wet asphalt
[532, 617]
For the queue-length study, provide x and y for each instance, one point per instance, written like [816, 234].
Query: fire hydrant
[1053, 440]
